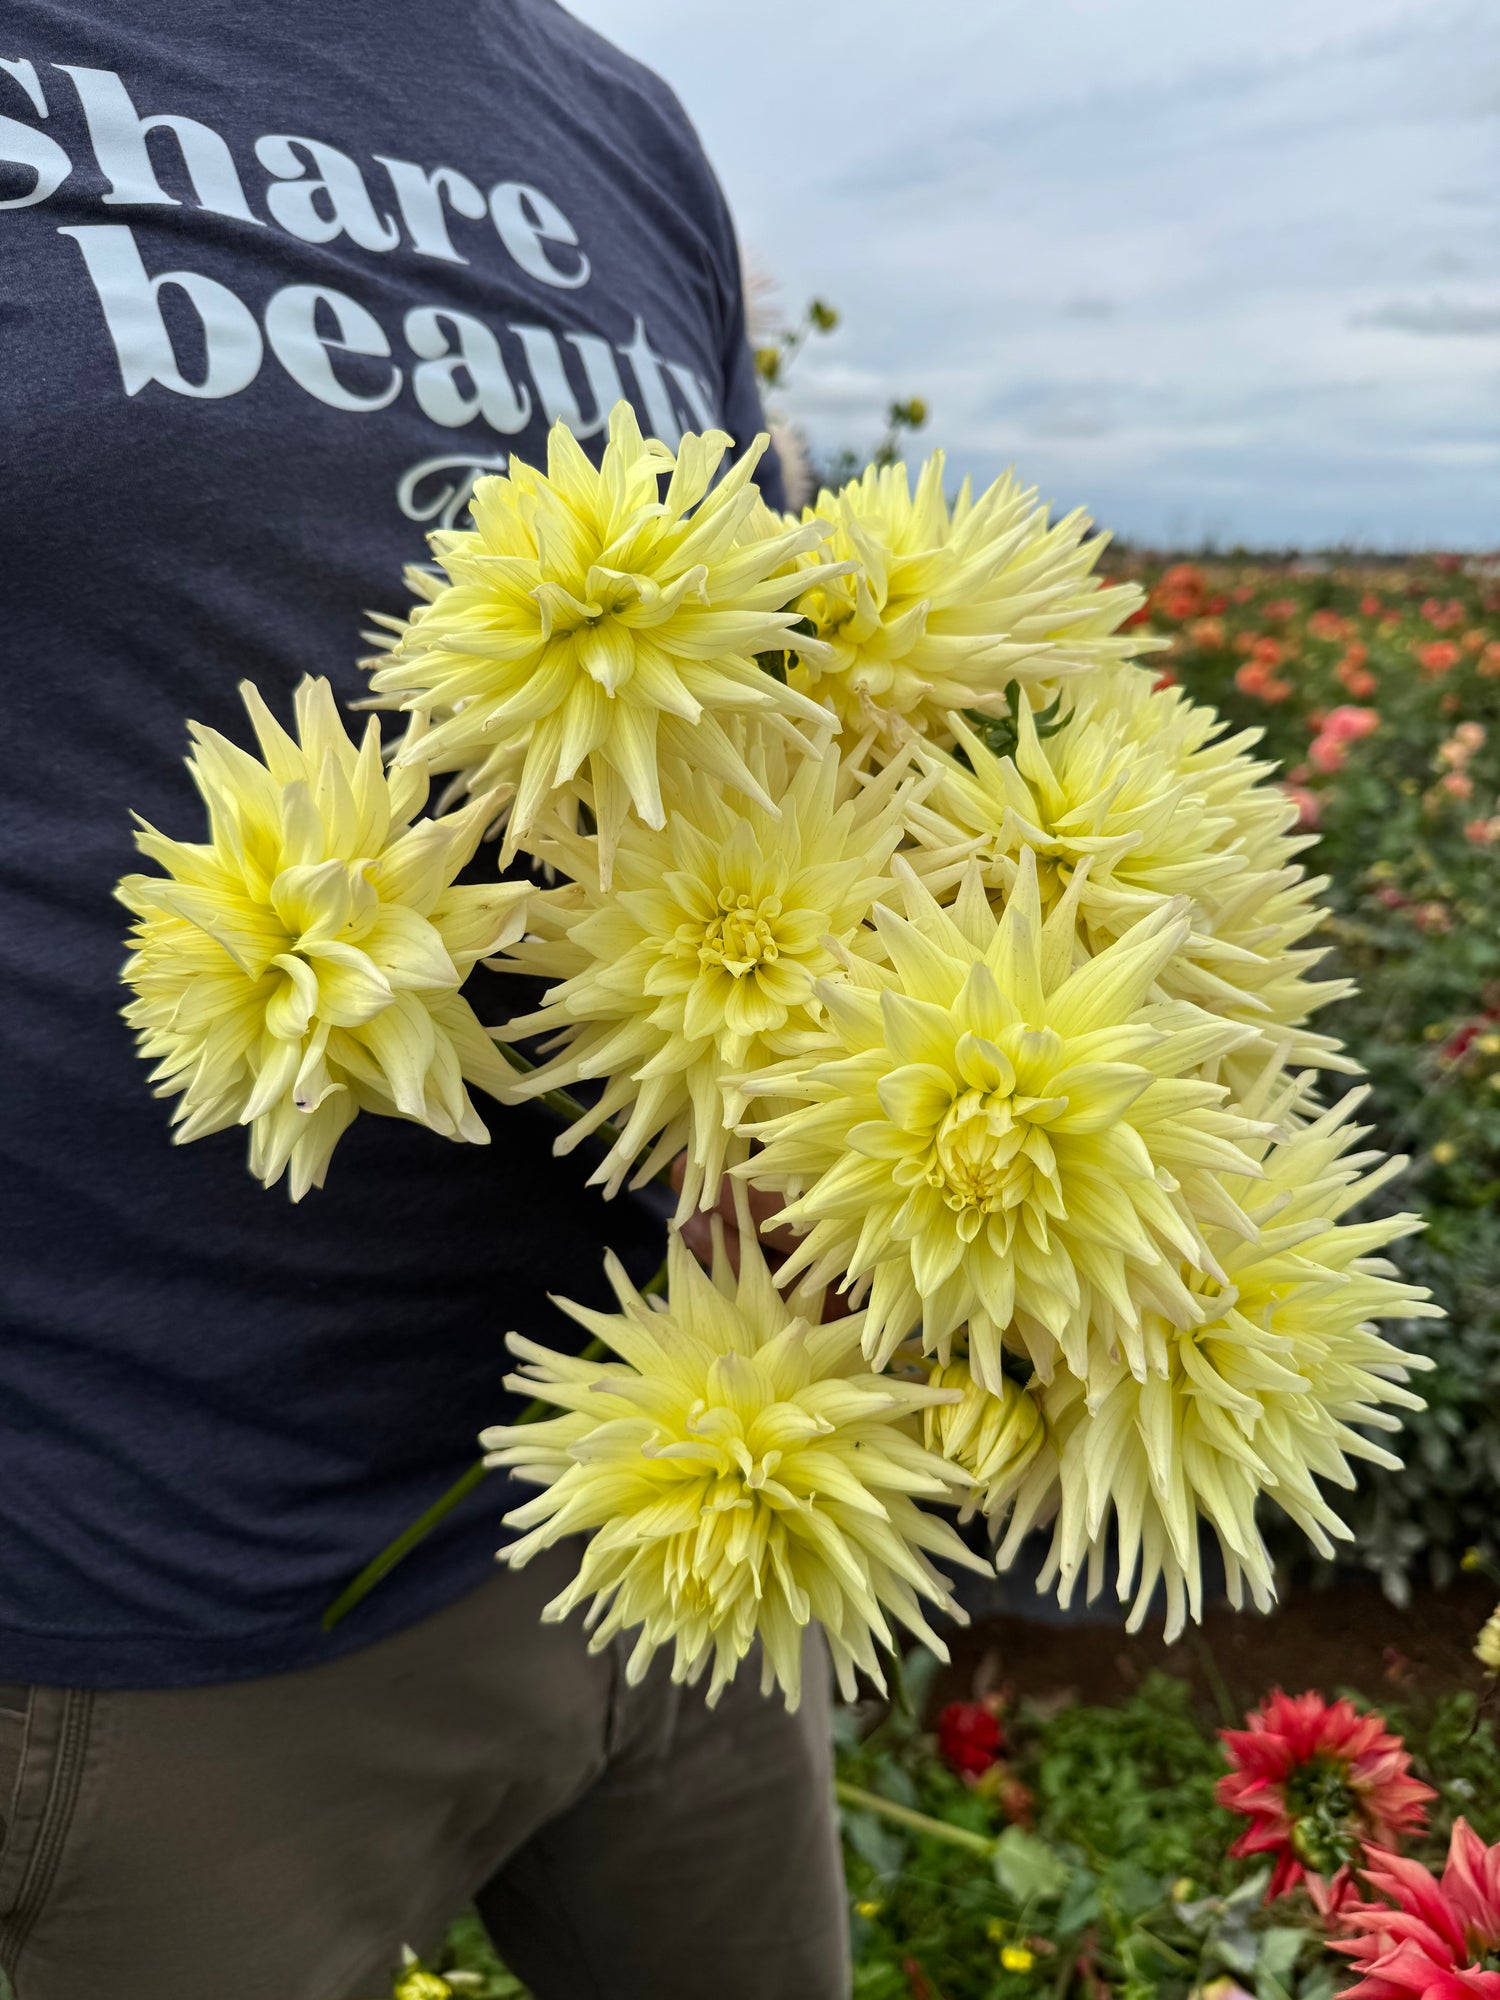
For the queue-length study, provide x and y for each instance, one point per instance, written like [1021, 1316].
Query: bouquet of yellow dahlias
[870, 872]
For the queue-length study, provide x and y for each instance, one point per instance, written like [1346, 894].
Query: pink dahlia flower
[1317, 1781]
[1431, 1940]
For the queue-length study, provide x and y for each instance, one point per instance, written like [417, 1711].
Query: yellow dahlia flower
[1145, 787]
[988, 1133]
[304, 963]
[1271, 1391]
[940, 610]
[993, 1435]
[701, 960]
[587, 619]
[740, 1473]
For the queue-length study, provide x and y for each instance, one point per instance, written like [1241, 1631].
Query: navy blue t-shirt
[276, 283]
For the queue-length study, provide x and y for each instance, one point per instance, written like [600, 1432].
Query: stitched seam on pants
[12, 1865]
[57, 1819]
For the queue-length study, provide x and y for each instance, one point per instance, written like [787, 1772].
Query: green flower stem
[563, 1102]
[402, 1547]
[398, 1550]
[919, 1822]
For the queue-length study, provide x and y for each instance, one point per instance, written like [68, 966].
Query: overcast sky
[1215, 268]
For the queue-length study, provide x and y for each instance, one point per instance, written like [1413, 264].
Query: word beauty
[328, 342]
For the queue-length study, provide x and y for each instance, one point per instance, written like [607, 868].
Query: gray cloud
[1442, 318]
[1143, 250]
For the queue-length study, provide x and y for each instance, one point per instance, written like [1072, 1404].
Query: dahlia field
[1378, 688]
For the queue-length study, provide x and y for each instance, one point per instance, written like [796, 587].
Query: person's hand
[697, 1232]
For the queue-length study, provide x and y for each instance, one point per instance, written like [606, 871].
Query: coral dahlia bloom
[1432, 1940]
[941, 610]
[703, 958]
[586, 619]
[740, 1473]
[1318, 1782]
[304, 964]
[985, 1131]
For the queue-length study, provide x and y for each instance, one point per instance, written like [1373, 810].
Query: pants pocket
[15, 1721]
[43, 1743]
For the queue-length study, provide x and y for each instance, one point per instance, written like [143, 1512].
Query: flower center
[742, 936]
[976, 1156]
[1325, 1814]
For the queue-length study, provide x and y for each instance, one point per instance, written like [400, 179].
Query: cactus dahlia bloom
[994, 1436]
[984, 1132]
[1319, 1782]
[1431, 1940]
[941, 610]
[1144, 786]
[586, 620]
[742, 1474]
[1266, 1390]
[701, 960]
[304, 964]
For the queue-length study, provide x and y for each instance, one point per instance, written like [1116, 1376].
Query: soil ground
[1349, 1636]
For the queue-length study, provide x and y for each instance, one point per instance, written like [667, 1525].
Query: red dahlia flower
[1432, 1940]
[970, 1738]
[1318, 1781]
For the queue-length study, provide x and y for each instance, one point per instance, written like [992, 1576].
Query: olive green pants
[281, 1839]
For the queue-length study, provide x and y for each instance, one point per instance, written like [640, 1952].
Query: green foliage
[773, 360]
[910, 415]
[469, 1968]
[1409, 822]
[998, 733]
[1124, 1880]
[1135, 1783]
[1125, 1883]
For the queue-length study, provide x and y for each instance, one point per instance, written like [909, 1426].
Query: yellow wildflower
[586, 620]
[983, 1132]
[701, 960]
[419, 1984]
[1016, 1958]
[741, 1472]
[305, 963]
[1487, 1647]
[941, 610]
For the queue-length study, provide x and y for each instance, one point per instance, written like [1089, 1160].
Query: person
[278, 284]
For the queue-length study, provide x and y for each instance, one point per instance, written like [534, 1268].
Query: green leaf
[1134, 1890]
[1080, 1904]
[1280, 1948]
[879, 1846]
[1028, 1869]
